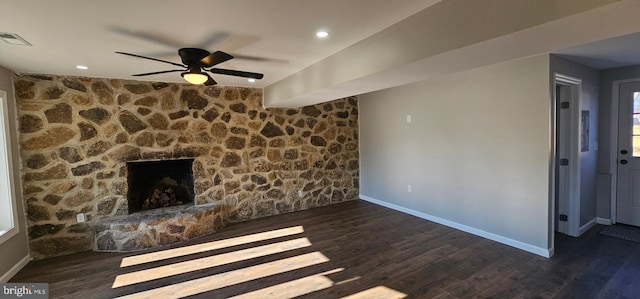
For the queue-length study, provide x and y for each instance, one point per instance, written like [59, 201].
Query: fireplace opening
[159, 184]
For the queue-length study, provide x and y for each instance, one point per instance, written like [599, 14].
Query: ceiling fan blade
[155, 73]
[150, 58]
[236, 73]
[210, 81]
[215, 58]
[256, 58]
[213, 39]
[147, 36]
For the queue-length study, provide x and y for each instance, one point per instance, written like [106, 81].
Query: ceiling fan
[195, 63]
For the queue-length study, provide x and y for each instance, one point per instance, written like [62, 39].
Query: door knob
[624, 152]
[623, 161]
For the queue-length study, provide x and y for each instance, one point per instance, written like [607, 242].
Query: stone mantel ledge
[159, 227]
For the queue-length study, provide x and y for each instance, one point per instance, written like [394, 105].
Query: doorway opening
[566, 162]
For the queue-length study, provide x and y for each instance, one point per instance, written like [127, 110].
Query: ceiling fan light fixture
[195, 77]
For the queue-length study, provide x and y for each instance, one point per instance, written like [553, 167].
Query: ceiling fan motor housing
[192, 56]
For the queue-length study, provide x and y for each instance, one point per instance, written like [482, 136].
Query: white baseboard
[587, 226]
[17, 267]
[478, 232]
[603, 221]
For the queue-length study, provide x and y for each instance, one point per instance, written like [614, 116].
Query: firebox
[159, 184]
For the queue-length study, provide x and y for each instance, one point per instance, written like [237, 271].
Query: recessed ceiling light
[322, 34]
[251, 80]
[82, 67]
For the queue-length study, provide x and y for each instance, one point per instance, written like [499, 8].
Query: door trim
[573, 181]
[613, 153]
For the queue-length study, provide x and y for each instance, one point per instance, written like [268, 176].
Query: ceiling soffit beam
[439, 35]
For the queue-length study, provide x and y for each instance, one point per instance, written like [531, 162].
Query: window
[635, 135]
[8, 227]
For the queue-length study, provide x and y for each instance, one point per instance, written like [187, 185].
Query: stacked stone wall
[76, 135]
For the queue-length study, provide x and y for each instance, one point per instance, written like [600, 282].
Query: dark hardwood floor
[353, 249]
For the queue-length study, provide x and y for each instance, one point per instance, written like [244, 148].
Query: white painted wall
[14, 252]
[476, 152]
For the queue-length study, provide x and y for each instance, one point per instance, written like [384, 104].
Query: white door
[628, 198]
[567, 185]
[563, 153]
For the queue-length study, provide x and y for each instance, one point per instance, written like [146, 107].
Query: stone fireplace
[79, 136]
[159, 184]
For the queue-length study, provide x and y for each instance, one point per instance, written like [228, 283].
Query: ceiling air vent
[14, 39]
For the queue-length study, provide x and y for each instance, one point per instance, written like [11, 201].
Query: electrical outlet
[80, 217]
[408, 118]
[300, 193]
[408, 188]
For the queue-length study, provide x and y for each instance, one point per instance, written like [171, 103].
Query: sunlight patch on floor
[379, 292]
[352, 279]
[193, 249]
[213, 282]
[294, 288]
[208, 262]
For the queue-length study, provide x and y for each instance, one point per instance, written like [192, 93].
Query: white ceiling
[367, 50]
[609, 53]
[88, 32]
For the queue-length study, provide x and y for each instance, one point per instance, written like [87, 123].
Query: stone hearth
[77, 134]
[156, 228]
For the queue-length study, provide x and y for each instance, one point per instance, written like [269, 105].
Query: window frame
[6, 177]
